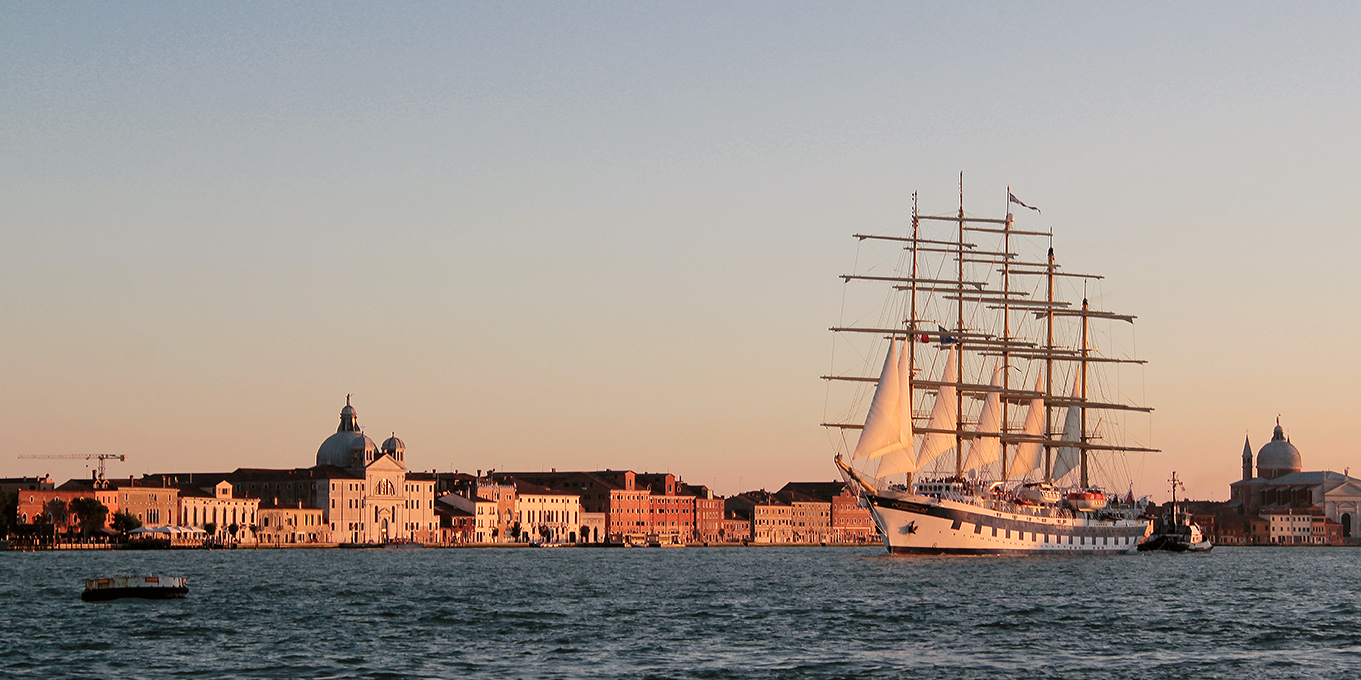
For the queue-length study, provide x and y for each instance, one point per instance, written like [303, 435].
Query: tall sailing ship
[993, 425]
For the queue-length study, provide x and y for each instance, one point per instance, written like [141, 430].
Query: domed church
[365, 492]
[1281, 485]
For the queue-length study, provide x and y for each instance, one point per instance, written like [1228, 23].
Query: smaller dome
[394, 446]
[348, 410]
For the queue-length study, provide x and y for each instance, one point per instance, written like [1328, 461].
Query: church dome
[349, 447]
[394, 447]
[1278, 457]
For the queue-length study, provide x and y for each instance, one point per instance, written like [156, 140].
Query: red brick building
[708, 525]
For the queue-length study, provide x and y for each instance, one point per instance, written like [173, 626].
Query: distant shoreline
[464, 546]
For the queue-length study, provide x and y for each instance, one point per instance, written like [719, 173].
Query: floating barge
[145, 587]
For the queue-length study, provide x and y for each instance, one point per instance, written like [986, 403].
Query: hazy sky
[590, 235]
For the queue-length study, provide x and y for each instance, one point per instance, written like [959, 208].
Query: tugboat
[1174, 531]
[146, 587]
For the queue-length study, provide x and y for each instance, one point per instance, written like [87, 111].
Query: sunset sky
[607, 235]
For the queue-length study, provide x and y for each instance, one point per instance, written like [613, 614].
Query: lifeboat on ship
[1086, 500]
[1039, 493]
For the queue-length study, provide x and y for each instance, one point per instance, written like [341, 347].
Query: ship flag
[1012, 197]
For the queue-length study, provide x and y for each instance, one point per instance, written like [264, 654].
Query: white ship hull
[914, 524]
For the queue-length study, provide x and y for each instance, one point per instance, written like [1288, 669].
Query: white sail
[1028, 453]
[943, 414]
[895, 463]
[883, 431]
[902, 458]
[1067, 458]
[987, 447]
[905, 403]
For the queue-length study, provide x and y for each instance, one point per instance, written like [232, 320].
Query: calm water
[688, 613]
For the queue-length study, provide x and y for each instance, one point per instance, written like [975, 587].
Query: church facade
[1281, 489]
[365, 492]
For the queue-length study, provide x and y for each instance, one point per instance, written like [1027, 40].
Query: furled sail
[987, 447]
[943, 414]
[888, 425]
[1028, 453]
[1067, 458]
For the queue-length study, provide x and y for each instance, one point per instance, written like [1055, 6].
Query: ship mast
[1082, 411]
[959, 340]
[910, 344]
[1049, 369]
[1006, 325]
[1174, 496]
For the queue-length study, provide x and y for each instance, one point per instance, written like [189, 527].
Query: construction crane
[87, 456]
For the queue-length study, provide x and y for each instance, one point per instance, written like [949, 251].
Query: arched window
[1346, 524]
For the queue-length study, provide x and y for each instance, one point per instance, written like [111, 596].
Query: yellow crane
[86, 456]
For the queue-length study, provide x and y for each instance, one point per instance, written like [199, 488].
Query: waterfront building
[771, 517]
[296, 524]
[484, 525]
[810, 518]
[736, 527]
[31, 505]
[153, 501]
[1283, 490]
[637, 507]
[500, 491]
[379, 501]
[615, 493]
[152, 504]
[457, 526]
[708, 513]
[628, 506]
[849, 521]
[671, 518]
[222, 506]
[544, 515]
[387, 502]
[592, 527]
[464, 515]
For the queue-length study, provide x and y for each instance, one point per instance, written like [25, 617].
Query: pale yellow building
[545, 515]
[220, 507]
[291, 525]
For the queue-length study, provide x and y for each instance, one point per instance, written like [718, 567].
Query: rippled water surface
[688, 613]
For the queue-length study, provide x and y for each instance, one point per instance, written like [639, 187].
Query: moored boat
[145, 587]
